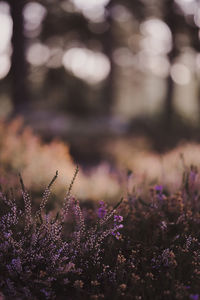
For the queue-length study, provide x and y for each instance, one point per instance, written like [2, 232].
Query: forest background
[105, 77]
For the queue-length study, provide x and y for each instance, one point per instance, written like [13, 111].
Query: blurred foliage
[104, 57]
[148, 166]
[22, 151]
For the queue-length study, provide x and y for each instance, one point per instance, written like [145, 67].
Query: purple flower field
[145, 247]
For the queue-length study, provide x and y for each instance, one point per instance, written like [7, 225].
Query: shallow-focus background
[113, 80]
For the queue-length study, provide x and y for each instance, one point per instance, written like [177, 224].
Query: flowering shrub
[40, 260]
[161, 241]
[148, 247]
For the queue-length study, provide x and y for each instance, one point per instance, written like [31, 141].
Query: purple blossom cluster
[102, 210]
[141, 249]
[117, 225]
[38, 258]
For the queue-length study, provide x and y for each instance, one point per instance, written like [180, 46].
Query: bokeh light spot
[90, 66]
[94, 10]
[38, 54]
[88, 4]
[157, 36]
[188, 6]
[180, 74]
[6, 25]
[197, 17]
[120, 13]
[34, 13]
[5, 65]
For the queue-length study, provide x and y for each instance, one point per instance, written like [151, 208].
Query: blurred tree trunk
[108, 95]
[171, 21]
[194, 35]
[18, 66]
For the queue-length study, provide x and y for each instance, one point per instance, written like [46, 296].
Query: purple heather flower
[159, 188]
[47, 293]
[120, 226]
[102, 210]
[194, 296]
[163, 225]
[16, 263]
[193, 176]
[7, 234]
[116, 234]
[118, 218]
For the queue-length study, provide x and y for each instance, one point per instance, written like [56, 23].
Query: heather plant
[146, 247]
[39, 259]
[161, 242]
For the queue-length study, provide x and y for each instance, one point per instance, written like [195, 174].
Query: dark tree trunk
[18, 67]
[171, 20]
[168, 105]
[108, 95]
[194, 35]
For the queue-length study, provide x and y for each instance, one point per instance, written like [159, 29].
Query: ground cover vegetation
[146, 247]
